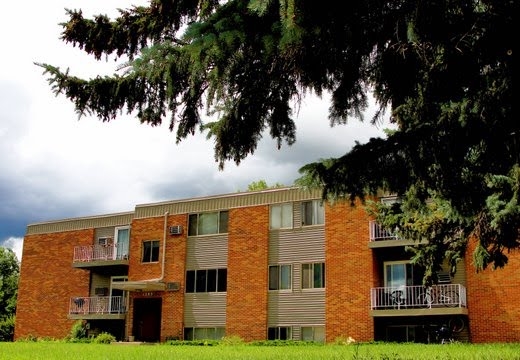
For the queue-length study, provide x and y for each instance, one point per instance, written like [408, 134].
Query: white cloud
[56, 166]
[15, 244]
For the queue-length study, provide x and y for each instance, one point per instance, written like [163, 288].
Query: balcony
[418, 300]
[381, 237]
[97, 307]
[99, 255]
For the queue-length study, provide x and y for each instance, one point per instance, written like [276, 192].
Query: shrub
[7, 328]
[282, 343]
[28, 338]
[104, 338]
[232, 340]
[78, 331]
[344, 341]
[201, 342]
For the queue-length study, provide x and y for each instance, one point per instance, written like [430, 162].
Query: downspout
[165, 232]
[163, 262]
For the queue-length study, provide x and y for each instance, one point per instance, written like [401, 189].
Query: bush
[7, 328]
[201, 342]
[232, 340]
[341, 340]
[104, 338]
[282, 343]
[78, 331]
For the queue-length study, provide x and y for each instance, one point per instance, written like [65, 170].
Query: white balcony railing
[378, 233]
[89, 253]
[418, 296]
[97, 305]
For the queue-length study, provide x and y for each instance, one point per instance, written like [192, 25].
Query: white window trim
[301, 276]
[315, 204]
[291, 225]
[291, 285]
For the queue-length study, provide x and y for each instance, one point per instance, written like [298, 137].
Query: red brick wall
[172, 319]
[145, 230]
[142, 230]
[173, 302]
[349, 273]
[493, 297]
[247, 273]
[48, 281]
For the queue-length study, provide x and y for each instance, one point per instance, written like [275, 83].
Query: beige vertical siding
[92, 222]
[300, 245]
[205, 310]
[99, 281]
[105, 232]
[296, 246]
[460, 275]
[206, 252]
[296, 308]
[229, 201]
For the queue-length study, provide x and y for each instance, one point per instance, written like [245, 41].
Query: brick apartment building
[273, 264]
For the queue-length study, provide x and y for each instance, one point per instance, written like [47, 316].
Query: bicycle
[456, 324]
[439, 334]
[397, 298]
[439, 295]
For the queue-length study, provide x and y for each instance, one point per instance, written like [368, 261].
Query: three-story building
[272, 264]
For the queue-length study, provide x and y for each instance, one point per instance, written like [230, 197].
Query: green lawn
[125, 351]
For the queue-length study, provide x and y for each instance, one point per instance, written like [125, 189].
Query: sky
[55, 166]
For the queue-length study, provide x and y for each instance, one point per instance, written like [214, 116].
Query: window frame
[218, 331]
[154, 245]
[122, 242]
[197, 281]
[284, 221]
[277, 332]
[196, 223]
[317, 216]
[315, 334]
[408, 271]
[279, 279]
[313, 281]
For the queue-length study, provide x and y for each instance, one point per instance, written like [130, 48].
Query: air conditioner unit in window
[101, 291]
[176, 230]
[173, 286]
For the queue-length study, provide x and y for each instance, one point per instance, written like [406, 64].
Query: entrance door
[147, 319]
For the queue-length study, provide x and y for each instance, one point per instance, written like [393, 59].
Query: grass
[57, 350]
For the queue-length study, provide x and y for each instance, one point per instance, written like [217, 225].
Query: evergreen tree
[444, 69]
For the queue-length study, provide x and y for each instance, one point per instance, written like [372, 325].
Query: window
[216, 333]
[280, 277]
[401, 273]
[150, 251]
[208, 223]
[279, 333]
[207, 280]
[313, 213]
[281, 216]
[313, 333]
[313, 276]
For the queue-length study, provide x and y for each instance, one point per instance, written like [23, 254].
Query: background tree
[9, 274]
[443, 68]
[262, 185]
